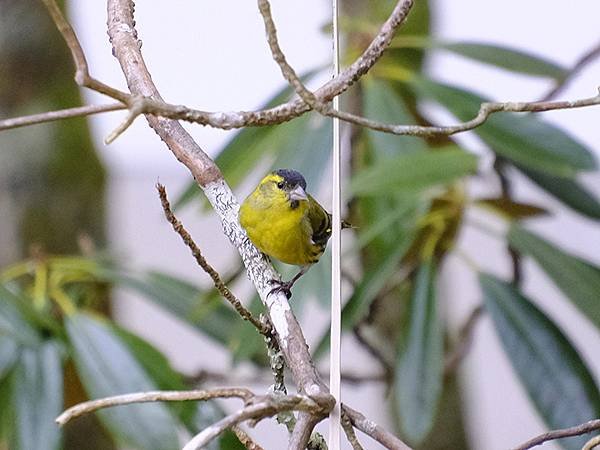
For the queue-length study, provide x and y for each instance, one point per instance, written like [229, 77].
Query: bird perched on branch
[286, 223]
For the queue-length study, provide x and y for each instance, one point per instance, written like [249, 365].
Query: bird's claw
[281, 286]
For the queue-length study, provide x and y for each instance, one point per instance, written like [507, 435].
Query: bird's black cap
[292, 177]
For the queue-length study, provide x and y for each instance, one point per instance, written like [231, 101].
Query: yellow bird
[286, 223]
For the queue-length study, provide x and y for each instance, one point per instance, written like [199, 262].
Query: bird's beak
[297, 194]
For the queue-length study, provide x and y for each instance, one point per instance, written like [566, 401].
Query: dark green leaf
[381, 102]
[414, 172]
[106, 367]
[371, 283]
[568, 191]
[504, 57]
[576, 278]
[524, 139]
[418, 377]
[507, 58]
[159, 369]
[556, 379]
[511, 208]
[38, 397]
[204, 309]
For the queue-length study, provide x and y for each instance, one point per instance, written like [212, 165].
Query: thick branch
[153, 396]
[288, 332]
[578, 430]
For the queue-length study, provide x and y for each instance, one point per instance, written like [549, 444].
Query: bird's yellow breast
[279, 230]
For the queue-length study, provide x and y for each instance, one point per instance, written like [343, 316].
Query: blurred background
[532, 360]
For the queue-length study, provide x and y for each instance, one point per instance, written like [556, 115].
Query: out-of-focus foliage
[49, 325]
[407, 198]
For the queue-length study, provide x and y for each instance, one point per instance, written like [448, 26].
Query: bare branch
[370, 428]
[260, 408]
[245, 438]
[82, 74]
[349, 430]
[263, 328]
[51, 116]
[577, 430]
[152, 396]
[592, 443]
[465, 337]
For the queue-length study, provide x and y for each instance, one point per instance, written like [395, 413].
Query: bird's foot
[282, 286]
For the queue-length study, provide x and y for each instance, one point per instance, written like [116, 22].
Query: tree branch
[370, 428]
[577, 430]
[152, 396]
[51, 116]
[263, 328]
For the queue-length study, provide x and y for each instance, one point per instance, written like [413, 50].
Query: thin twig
[350, 434]
[375, 431]
[51, 116]
[464, 340]
[579, 65]
[245, 438]
[262, 327]
[577, 430]
[152, 396]
[260, 408]
[592, 443]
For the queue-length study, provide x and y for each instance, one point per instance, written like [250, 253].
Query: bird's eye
[280, 185]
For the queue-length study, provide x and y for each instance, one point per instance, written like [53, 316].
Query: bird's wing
[320, 221]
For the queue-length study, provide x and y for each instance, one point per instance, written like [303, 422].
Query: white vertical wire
[336, 243]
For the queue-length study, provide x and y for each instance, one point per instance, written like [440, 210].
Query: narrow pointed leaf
[106, 367]
[381, 102]
[12, 321]
[414, 172]
[568, 191]
[576, 278]
[507, 58]
[38, 397]
[524, 139]
[554, 375]
[511, 208]
[418, 377]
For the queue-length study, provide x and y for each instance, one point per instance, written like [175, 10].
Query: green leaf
[247, 147]
[522, 138]
[568, 191]
[576, 278]
[371, 283]
[9, 351]
[507, 58]
[419, 367]
[12, 321]
[554, 375]
[414, 172]
[106, 367]
[38, 397]
[381, 102]
[510, 208]
[158, 368]
[203, 309]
